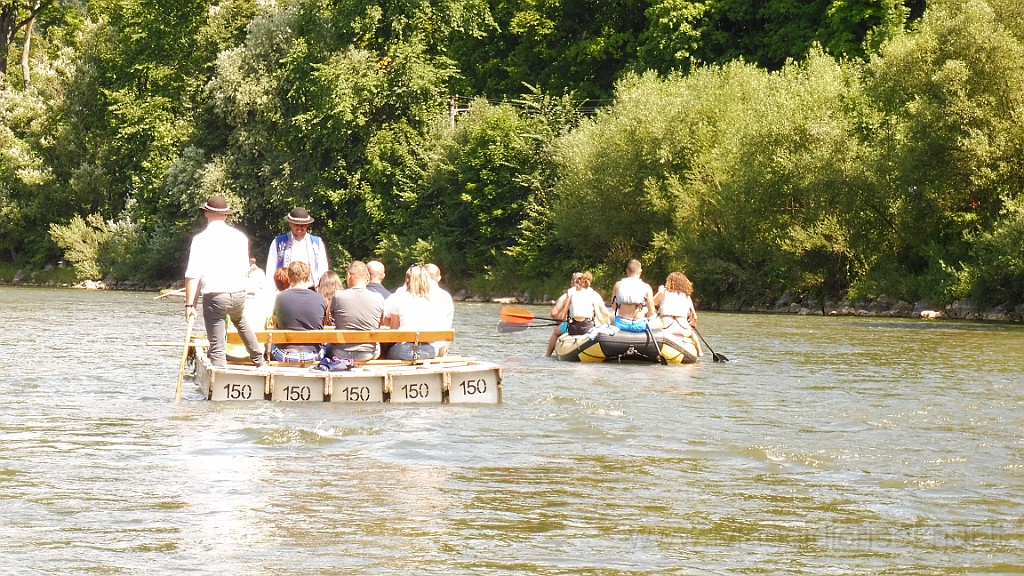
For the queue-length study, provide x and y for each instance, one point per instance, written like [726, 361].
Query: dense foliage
[772, 149]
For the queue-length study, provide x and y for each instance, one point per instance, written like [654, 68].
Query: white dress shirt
[219, 258]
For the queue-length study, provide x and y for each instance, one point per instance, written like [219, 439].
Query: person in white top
[676, 309]
[633, 300]
[413, 309]
[298, 245]
[583, 308]
[442, 299]
[558, 313]
[218, 262]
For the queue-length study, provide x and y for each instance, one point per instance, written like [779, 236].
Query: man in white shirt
[298, 246]
[443, 300]
[440, 297]
[217, 265]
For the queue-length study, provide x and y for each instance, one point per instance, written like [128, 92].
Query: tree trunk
[9, 27]
[8, 19]
[25, 70]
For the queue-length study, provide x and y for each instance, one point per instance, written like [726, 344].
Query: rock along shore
[883, 306]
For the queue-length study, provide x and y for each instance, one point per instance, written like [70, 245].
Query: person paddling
[633, 300]
[558, 313]
[675, 308]
[584, 308]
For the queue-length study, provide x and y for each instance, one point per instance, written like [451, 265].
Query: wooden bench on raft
[280, 337]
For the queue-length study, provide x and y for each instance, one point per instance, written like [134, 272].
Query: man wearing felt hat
[218, 262]
[298, 246]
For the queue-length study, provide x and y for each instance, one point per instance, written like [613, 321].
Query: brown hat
[217, 204]
[299, 216]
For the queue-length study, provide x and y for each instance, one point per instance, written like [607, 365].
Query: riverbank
[883, 306]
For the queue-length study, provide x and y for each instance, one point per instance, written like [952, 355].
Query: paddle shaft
[661, 359]
[184, 357]
[714, 355]
[519, 326]
[178, 292]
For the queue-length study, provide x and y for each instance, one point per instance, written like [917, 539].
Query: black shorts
[578, 327]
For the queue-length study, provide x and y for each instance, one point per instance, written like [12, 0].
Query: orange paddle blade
[516, 315]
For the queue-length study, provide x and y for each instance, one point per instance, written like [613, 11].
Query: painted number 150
[236, 391]
[297, 393]
[470, 387]
[414, 391]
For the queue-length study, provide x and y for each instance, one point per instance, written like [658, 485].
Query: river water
[826, 446]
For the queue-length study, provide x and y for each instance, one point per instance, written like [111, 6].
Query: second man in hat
[298, 245]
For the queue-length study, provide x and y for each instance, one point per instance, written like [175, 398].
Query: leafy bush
[82, 240]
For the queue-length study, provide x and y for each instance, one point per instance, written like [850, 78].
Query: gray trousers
[218, 306]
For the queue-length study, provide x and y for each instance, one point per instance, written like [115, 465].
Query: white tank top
[632, 290]
[582, 303]
[675, 304]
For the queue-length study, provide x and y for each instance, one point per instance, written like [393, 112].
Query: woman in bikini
[678, 314]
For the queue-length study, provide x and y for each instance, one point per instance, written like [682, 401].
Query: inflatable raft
[606, 344]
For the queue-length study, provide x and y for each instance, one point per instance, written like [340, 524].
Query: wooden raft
[439, 380]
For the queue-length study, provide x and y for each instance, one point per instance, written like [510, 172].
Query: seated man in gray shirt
[357, 308]
[299, 308]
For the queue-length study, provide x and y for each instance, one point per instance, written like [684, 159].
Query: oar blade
[515, 315]
[714, 355]
[512, 327]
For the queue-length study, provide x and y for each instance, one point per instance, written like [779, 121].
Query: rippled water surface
[826, 446]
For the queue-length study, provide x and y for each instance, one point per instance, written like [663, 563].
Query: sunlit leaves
[743, 177]
[952, 93]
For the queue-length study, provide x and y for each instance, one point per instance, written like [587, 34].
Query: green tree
[949, 97]
[481, 182]
[769, 32]
[18, 16]
[742, 178]
[672, 35]
[557, 46]
[29, 197]
[82, 240]
[997, 274]
[129, 109]
[325, 105]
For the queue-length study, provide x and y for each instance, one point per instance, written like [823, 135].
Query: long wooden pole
[184, 356]
[178, 292]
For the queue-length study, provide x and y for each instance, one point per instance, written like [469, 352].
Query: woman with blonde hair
[558, 313]
[583, 308]
[676, 309]
[329, 283]
[412, 309]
